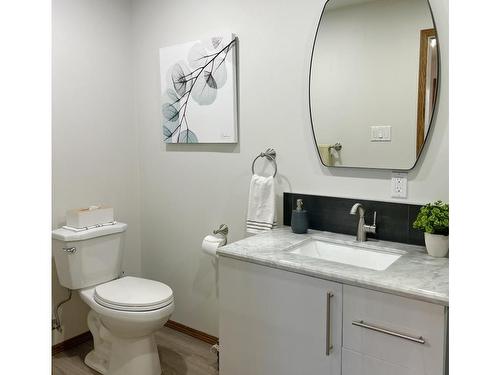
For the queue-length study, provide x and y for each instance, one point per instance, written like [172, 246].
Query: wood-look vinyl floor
[180, 354]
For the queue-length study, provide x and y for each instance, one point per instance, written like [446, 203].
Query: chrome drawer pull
[70, 250]
[362, 324]
[329, 345]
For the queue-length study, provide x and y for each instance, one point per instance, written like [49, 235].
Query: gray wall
[187, 190]
[95, 152]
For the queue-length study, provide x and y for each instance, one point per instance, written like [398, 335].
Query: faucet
[362, 227]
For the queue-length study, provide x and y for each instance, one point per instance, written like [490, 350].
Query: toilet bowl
[125, 311]
[124, 315]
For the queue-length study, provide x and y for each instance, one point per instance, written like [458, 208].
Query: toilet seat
[133, 294]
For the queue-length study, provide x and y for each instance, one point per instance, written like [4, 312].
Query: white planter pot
[437, 245]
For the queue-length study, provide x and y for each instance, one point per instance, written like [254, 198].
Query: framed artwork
[198, 91]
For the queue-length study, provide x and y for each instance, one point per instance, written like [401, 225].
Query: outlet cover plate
[399, 185]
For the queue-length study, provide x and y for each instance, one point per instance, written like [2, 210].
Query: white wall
[188, 190]
[95, 152]
[365, 73]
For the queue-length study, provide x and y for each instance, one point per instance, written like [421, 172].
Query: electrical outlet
[399, 185]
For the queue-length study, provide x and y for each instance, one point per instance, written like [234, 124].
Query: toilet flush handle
[70, 250]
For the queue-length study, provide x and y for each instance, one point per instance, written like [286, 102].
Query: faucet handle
[371, 228]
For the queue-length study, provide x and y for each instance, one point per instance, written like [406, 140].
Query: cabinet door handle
[362, 324]
[329, 345]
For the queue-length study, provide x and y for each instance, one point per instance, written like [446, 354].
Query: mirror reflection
[373, 82]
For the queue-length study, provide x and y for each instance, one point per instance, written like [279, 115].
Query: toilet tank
[88, 257]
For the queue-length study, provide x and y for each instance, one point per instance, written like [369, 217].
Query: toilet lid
[133, 294]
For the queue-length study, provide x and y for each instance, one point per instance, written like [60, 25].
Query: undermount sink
[355, 255]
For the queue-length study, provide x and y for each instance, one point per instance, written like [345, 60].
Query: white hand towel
[261, 214]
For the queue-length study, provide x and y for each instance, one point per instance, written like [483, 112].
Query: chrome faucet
[362, 227]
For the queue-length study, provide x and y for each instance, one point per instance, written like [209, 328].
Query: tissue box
[87, 217]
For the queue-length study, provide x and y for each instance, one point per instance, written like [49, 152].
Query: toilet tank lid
[67, 235]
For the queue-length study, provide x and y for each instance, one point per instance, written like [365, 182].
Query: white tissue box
[87, 217]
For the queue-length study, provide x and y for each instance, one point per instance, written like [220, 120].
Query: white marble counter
[415, 274]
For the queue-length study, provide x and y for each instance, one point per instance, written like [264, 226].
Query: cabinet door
[274, 322]
[354, 363]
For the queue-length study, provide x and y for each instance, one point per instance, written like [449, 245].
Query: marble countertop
[415, 274]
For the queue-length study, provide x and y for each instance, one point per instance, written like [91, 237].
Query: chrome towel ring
[269, 154]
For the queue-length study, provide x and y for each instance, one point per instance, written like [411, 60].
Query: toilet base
[130, 357]
[121, 356]
[134, 356]
[95, 363]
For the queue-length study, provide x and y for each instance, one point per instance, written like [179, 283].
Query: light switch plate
[380, 133]
[399, 185]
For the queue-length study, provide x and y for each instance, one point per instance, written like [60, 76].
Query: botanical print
[198, 88]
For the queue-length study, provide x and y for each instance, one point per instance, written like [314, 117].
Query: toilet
[125, 311]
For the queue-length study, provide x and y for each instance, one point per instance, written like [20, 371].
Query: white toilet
[125, 312]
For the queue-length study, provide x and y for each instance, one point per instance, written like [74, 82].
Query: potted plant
[433, 219]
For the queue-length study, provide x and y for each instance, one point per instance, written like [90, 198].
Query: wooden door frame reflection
[425, 36]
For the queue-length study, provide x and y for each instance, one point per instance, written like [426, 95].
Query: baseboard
[192, 332]
[71, 343]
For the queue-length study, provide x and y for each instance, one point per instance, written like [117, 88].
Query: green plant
[433, 218]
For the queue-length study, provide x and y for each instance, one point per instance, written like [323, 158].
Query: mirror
[373, 82]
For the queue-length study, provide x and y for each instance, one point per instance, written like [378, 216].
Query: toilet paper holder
[212, 242]
[223, 230]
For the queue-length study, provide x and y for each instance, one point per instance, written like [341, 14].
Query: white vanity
[286, 308]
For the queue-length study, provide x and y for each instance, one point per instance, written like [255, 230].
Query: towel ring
[269, 154]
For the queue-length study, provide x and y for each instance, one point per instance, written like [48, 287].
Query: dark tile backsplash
[332, 214]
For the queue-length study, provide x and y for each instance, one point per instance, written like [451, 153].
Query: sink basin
[354, 255]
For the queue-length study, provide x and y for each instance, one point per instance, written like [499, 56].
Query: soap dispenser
[299, 218]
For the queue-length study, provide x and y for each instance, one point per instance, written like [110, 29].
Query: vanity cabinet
[275, 322]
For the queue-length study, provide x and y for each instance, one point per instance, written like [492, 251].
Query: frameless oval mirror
[373, 82]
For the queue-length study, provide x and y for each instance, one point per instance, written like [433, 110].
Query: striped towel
[261, 214]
